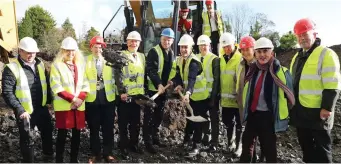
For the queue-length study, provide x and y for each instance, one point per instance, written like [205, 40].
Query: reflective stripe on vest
[108, 80]
[61, 79]
[321, 71]
[160, 68]
[133, 74]
[208, 69]
[22, 90]
[228, 79]
[200, 91]
[207, 26]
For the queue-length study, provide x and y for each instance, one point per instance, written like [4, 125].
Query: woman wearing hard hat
[194, 83]
[70, 87]
[267, 96]
[211, 68]
[133, 82]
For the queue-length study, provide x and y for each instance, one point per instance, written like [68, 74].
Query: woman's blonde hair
[77, 59]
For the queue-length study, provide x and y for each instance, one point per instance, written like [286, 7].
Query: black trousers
[261, 124]
[213, 129]
[231, 119]
[101, 117]
[60, 145]
[129, 114]
[200, 108]
[215, 40]
[152, 120]
[42, 119]
[316, 145]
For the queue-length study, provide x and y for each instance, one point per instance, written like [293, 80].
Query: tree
[239, 18]
[228, 26]
[288, 41]
[51, 43]
[84, 45]
[41, 20]
[68, 29]
[25, 27]
[260, 25]
[255, 30]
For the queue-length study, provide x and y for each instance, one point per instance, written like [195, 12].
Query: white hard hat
[69, 44]
[226, 39]
[263, 43]
[28, 44]
[186, 40]
[203, 40]
[134, 35]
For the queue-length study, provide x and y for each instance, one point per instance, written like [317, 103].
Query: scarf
[270, 67]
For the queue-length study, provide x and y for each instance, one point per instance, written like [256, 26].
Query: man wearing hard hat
[194, 84]
[100, 103]
[317, 83]
[228, 65]
[160, 70]
[25, 90]
[133, 82]
[211, 68]
[267, 95]
[213, 24]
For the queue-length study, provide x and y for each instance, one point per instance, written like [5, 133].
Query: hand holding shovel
[192, 117]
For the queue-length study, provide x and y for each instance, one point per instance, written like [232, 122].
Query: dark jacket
[216, 79]
[310, 117]
[152, 63]
[9, 86]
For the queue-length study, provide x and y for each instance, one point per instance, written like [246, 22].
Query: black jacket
[9, 86]
[152, 63]
[216, 79]
[310, 117]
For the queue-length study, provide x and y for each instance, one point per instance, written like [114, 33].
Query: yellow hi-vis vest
[228, 80]
[321, 71]
[160, 68]
[208, 70]
[108, 80]
[133, 74]
[207, 26]
[61, 79]
[200, 91]
[282, 103]
[22, 90]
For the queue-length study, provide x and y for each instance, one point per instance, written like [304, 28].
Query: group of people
[249, 84]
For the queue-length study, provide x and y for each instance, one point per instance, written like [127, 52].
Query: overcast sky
[97, 13]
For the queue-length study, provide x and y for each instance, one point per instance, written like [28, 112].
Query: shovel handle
[187, 104]
[158, 93]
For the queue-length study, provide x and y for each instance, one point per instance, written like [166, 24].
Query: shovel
[192, 117]
[158, 93]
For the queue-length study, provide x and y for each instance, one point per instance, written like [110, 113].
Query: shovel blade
[197, 119]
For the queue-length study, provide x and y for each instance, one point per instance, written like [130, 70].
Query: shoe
[93, 159]
[194, 151]
[212, 148]
[110, 159]
[151, 149]
[136, 149]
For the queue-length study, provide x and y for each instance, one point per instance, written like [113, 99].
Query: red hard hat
[303, 25]
[97, 40]
[247, 42]
[184, 10]
[209, 2]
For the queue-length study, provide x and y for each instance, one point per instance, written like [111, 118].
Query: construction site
[139, 16]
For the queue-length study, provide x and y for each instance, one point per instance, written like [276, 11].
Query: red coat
[184, 23]
[72, 118]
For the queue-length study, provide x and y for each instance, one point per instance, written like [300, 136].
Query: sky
[97, 13]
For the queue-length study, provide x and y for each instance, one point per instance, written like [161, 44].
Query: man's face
[184, 15]
[307, 39]
[166, 42]
[228, 50]
[69, 55]
[27, 56]
[264, 55]
[204, 49]
[96, 49]
[185, 50]
[133, 44]
[248, 53]
[209, 7]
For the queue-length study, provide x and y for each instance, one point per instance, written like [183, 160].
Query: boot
[195, 150]
[238, 150]
[230, 143]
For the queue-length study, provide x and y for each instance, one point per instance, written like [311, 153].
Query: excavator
[8, 30]
[140, 16]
